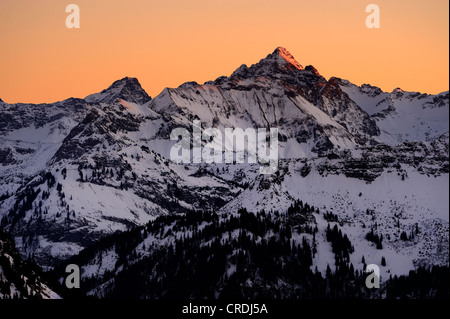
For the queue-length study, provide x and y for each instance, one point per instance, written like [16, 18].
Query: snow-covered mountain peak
[397, 93]
[398, 90]
[285, 55]
[278, 63]
[371, 90]
[128, 89]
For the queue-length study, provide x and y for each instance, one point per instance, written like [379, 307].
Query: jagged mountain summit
[127, 88]
[311, 114]
[284, 54]
[281, 60]
[75, 171]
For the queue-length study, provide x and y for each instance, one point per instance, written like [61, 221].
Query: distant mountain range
[370, 162]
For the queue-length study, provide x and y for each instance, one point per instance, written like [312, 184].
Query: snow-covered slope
[388, 204]
[20, 279]
[402, 116]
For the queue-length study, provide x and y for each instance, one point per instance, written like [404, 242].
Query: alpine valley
[363, 178]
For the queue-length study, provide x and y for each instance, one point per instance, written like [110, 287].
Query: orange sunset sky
[166, 43]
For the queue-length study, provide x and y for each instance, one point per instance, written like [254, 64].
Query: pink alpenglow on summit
[283, 53]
